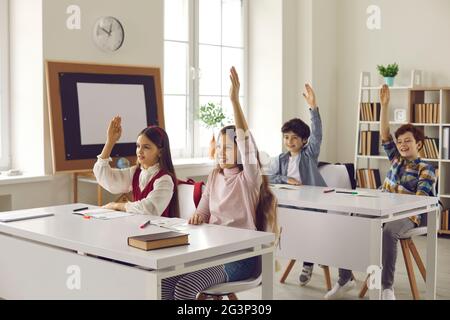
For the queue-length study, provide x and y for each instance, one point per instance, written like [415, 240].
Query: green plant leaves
[391, 70]
[212, 115]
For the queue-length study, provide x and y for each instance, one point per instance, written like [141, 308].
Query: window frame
[193, 147]
[5, 156]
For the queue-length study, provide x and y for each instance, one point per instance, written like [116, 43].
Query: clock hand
[110, 28]
[108, 32]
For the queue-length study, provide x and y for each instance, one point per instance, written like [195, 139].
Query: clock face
[108, 34]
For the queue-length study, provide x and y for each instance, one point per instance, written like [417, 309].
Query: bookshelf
[425, 107]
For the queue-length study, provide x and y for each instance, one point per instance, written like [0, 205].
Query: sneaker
[306, 275]
[337, 292]
[388, 294]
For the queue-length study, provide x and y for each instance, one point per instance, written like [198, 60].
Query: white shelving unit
[405, 97]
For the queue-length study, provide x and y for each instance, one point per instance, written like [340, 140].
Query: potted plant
[212, 117]
[389, 72]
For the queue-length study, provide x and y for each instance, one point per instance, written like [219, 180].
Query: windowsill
[25, 178]
[32, 178]
[192, 163]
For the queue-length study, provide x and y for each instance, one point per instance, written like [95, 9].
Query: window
[4, 76]
[203, 39]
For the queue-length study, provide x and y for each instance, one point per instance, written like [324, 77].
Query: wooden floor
[315, 290]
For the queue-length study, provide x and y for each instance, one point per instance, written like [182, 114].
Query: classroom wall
[413, 33]
[265, 73]
[38, 33]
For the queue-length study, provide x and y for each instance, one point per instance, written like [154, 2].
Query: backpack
[198, 189]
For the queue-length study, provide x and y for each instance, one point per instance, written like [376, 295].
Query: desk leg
[99, 196]
[432, 254]
[375, 255]
[267, 276]
[75, 187]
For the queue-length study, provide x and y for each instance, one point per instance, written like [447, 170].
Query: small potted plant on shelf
[212, 117]
[389, 73]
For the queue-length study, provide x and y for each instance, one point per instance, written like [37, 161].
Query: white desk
[40, 257]
[354, 242]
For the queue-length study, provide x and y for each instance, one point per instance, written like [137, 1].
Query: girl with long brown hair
[236, 195]
[152, 180]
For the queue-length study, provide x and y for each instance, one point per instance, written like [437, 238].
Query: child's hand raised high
[385, 96]
[310, 96]
[114, 130]
[235, 85]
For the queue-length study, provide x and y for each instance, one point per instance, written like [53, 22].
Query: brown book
[159, 240]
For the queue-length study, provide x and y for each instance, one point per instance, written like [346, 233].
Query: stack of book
[370, 111]
[369, 178]
[369, 143]
[430, 149]
[426, 113]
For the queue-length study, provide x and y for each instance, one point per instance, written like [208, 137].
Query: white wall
[265, 73]
[414, 33]
[38, 33]
[302, 33]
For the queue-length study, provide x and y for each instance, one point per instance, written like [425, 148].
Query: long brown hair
[160, 138]
[266, 209]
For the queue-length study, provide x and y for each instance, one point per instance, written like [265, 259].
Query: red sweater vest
[140, 195]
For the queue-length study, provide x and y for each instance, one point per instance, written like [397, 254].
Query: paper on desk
[173, 223]
[104, 214]
[285, 186]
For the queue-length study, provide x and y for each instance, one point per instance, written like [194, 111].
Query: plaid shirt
[406, 176]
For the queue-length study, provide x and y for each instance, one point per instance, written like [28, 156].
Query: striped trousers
[188, 286]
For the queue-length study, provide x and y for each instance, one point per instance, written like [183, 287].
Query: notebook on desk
[18, 216]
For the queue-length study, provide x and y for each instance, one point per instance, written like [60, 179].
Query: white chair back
[186, 200]
[336, 176]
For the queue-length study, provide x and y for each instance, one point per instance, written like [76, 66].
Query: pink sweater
[230, 199]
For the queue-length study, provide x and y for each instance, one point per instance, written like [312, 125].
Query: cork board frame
[64, 79]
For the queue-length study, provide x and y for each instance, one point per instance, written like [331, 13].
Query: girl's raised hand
[235, 85]
[310, 96]
[385, 96]
[114, 130]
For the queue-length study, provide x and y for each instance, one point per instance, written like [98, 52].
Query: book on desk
[159, 240]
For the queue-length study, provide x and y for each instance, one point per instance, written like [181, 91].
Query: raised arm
[241, 123]
[113, 135]
[315, 140]
[114, 180]
[385, 97]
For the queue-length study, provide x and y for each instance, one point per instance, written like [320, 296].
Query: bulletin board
[82, 100]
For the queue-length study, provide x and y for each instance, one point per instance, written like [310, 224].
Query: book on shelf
[444, 220]
[370, 111]
[426, 113]
[368, 178]
[369, 143]
[159, 240]
[445, 143]
[430, 149]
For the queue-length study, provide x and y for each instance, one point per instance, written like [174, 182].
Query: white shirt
[293, 168]
[119, 181]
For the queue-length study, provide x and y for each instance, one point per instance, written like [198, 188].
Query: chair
[337, 176]
[230, 289]
[408, 247]
[186, 194]
[188, 197]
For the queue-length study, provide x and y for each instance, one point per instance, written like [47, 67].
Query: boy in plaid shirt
[408, 175]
